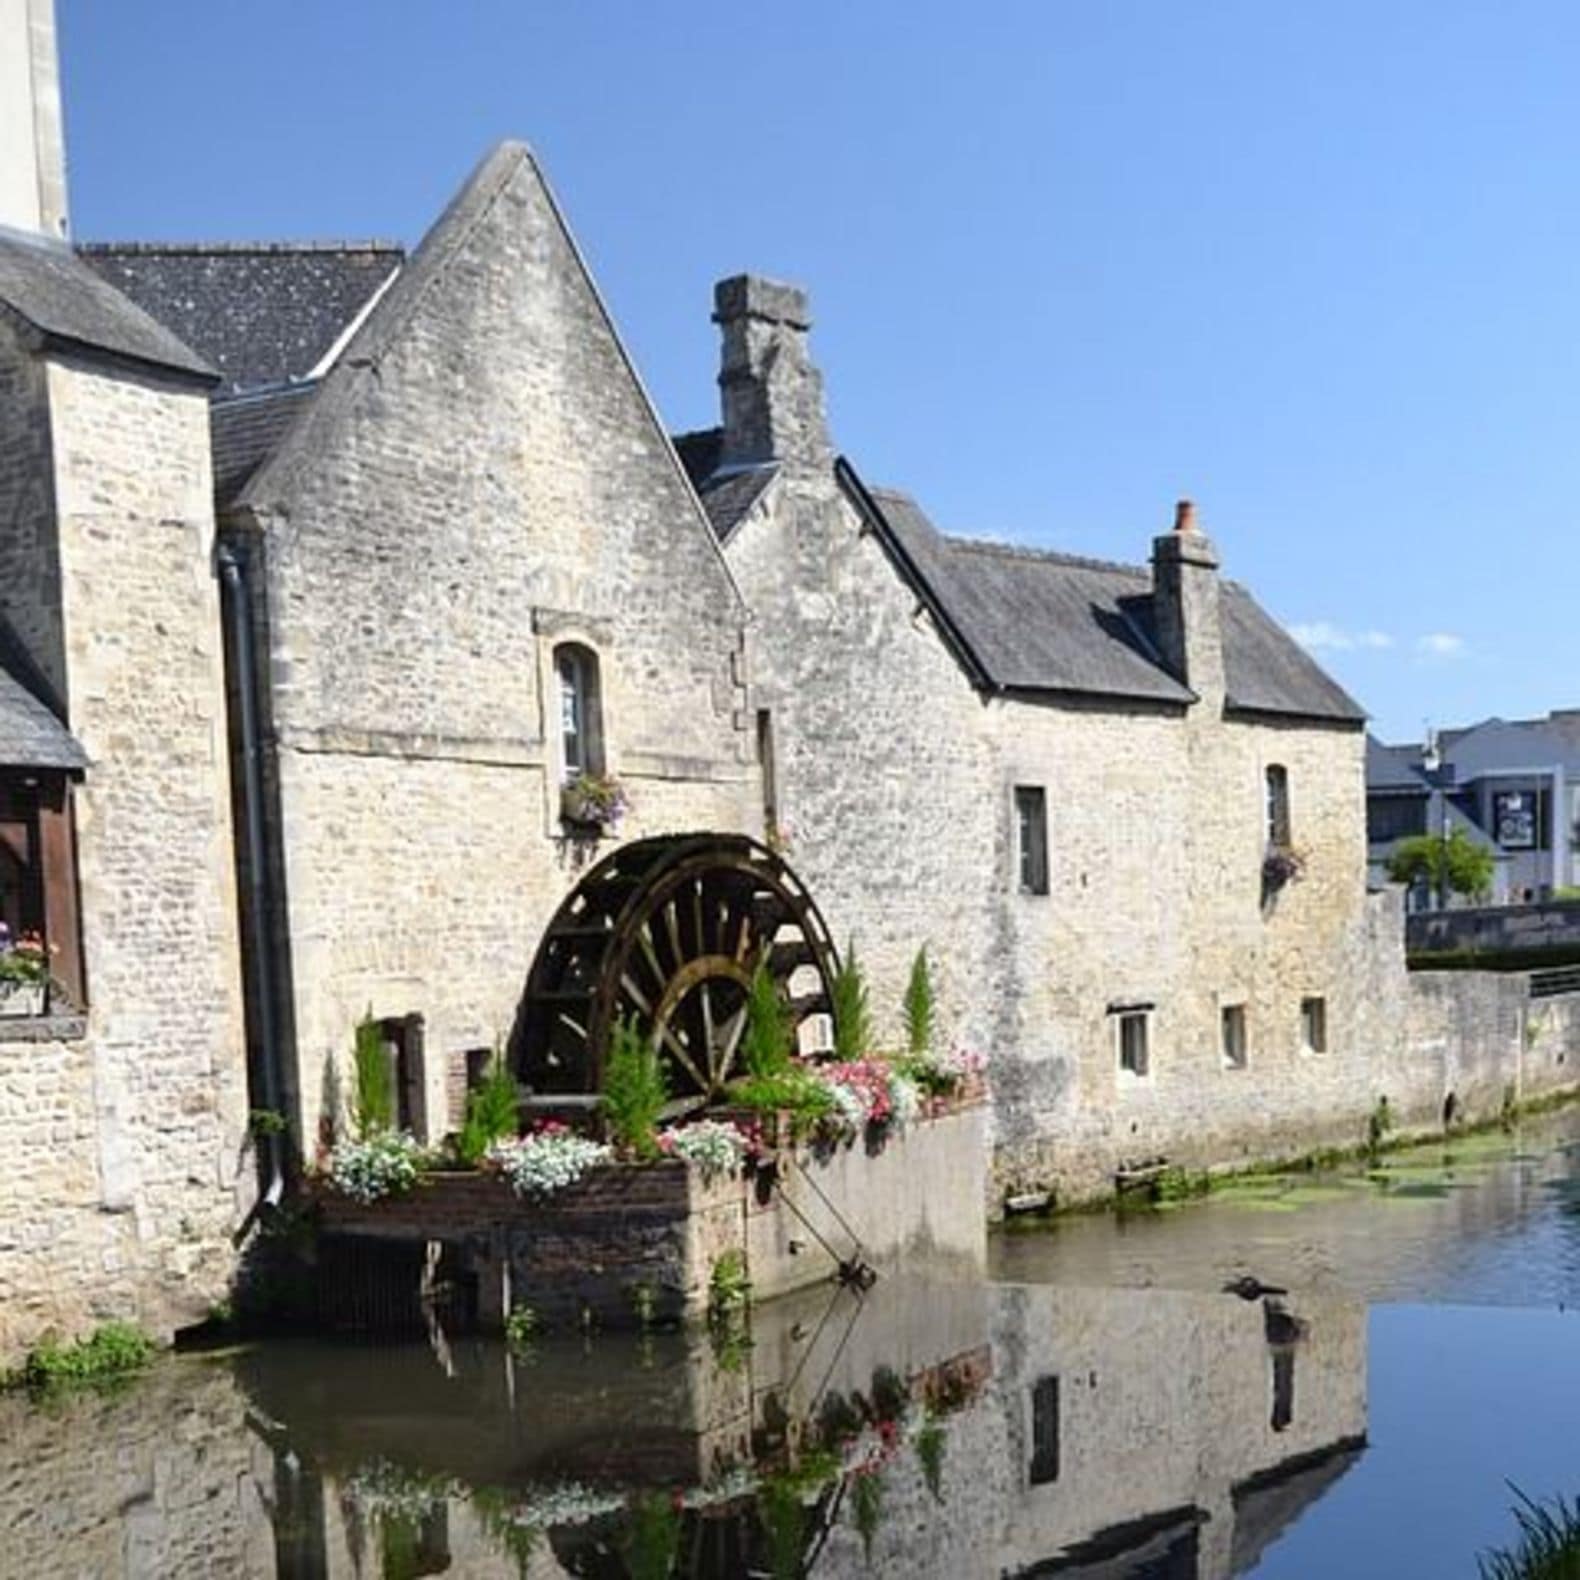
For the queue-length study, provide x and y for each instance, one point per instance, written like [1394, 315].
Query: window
[581, 711]
[1314, 1025]
[1234, 1036]
[1031, 838]
[1390, 817]
[1044, 1431]
[402, 1036]
[769, 769]
[1132, 1028]
[1278, 836]
[38, 883]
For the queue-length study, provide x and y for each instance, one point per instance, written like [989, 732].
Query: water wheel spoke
[680, 1055]
[734, 1028]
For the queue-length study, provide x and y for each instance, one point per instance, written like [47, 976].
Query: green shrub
[491, 1111]
[1457, 863]
[1549, 1544]
[852, 1017]
[769, 1037]
[634, 1091]
[113, 1350]
[375, 1096]
[650, 1542]
[729, 1285]
[795, 1091]
[919, 1008]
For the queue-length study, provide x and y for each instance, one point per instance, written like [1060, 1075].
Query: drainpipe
[258, 964]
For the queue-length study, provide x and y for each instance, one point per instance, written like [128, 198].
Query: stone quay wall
[627, 1234]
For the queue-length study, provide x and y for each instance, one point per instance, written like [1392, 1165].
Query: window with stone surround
[1233, 1036]
[1133, 1038]
[1031, 839]
[580, 711]
[38, 893]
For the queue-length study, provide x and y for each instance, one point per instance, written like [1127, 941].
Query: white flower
[905, 1098]
[713, 1147]
[383, 1164]
[850, 1112]
[541, 1164]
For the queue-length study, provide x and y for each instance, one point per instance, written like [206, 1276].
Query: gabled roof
[246, 429]
[1034, 621]
[31, 736]
[261, 312]
[62, 302]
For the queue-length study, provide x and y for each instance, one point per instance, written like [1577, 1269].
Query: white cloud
[1323, 636]
[1440, 644]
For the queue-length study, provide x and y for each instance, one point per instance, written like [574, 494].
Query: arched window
[1278, 836]
[581, 711]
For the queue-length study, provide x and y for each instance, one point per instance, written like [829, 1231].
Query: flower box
[21, 999]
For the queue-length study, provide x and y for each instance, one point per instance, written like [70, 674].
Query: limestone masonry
[326, 571]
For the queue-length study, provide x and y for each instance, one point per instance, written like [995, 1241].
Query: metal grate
[1555, 980]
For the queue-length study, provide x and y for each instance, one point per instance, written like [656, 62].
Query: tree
[1457, 863]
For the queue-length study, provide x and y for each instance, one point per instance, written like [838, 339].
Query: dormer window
[581, 712]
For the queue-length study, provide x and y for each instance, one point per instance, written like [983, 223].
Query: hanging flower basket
[594, 804]
[1282, 865]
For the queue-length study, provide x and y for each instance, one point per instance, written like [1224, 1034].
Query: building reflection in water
[938, 1430]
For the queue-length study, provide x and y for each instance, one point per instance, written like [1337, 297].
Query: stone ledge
[42, 1028]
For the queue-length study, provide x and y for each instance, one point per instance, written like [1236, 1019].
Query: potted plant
[24, 973]
[1282, 865]
[594, 804]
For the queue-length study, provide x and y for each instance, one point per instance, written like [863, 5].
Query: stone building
[122, 1089]
[1123, 810]
[473, 567]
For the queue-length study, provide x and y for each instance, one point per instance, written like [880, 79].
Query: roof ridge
[1026, 551]
[141, 248]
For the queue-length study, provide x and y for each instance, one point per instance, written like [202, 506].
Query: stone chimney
[1185, 604]
[772, 393]
[32, 147]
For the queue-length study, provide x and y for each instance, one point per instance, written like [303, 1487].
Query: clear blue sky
[1316, 266]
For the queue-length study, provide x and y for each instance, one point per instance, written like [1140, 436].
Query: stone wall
[127, 1136]
[480, 478]
[1497, 929]
[656, 1232]
[883, 772]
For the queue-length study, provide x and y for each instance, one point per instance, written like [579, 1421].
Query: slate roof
[246, 430]
[1036, 621]
[67, 304]
[727, 496]
[1393, 767]
[261, 312]
[31, 736]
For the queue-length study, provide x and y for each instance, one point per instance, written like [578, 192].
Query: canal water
[1402, 1352]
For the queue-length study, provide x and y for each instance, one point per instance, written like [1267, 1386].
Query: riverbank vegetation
[1548, 1547]
[112, 1351]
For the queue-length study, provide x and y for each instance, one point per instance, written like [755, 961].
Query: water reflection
[949, 1431]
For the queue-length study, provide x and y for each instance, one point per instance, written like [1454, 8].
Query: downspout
[236, 609]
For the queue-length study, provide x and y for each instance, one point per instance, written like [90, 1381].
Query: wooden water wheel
[667, 932]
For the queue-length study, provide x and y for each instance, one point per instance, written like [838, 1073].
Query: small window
[38, 896]
[1234, 1036]
[402, 1036]
[581, 711]
[1132, 1030]
[1044, 1431]
[1314, 1025]
[1031, 838]
[1278, 830]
